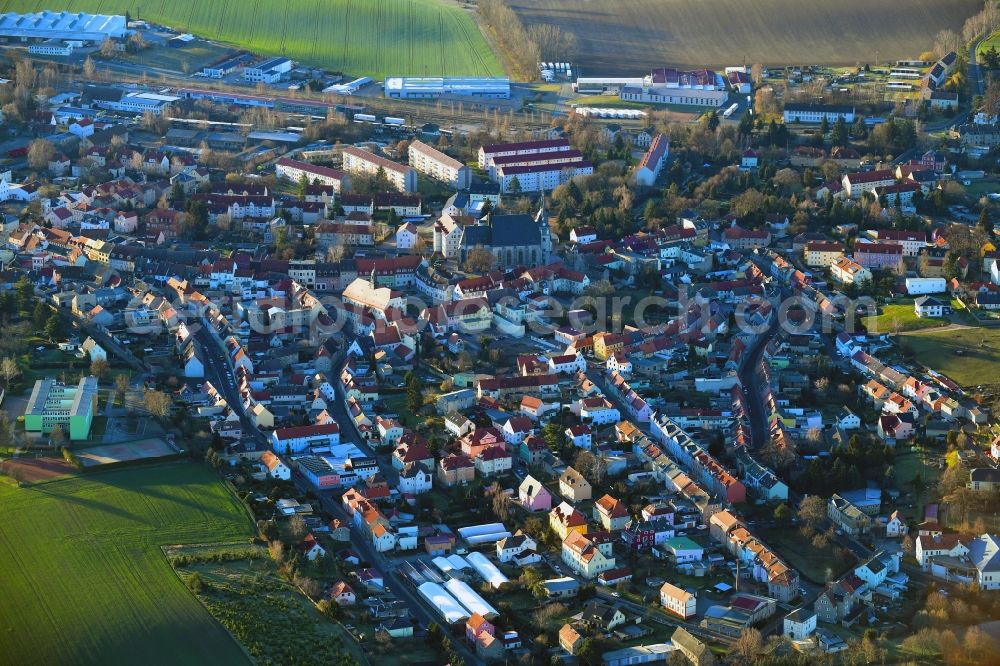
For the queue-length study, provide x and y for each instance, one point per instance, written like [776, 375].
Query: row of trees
[522, 52]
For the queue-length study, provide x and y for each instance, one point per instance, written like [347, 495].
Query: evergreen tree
[838, 136]
[712, 120]
[746, 124]
[54, 328]
[985, 223]
[40, 315]
[25, 293]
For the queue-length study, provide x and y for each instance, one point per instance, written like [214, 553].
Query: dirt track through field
[626, 37]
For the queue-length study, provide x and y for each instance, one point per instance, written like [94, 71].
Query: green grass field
[993, 41]
[969, 356]
[901, 316]
[387, 37]
[85, 580]
[606, 102]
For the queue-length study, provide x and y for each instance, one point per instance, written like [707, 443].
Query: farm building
[605, 84]
[701, 87]
[414, 87]
[63, 25]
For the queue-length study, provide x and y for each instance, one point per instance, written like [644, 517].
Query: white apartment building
[487, 154]
[52, 47]
[437, 165]
[358, 160]
[293, 170]
[540, 177]
[815, 113]
[856, 184]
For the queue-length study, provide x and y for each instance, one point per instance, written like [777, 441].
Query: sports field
[363, 37]
[85, 580]
[108, 454]
[969, 356]
[626, 36]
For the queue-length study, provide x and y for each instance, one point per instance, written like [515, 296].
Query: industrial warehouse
[73, 26]
[411, 87]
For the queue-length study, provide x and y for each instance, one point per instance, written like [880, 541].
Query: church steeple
[544, 232]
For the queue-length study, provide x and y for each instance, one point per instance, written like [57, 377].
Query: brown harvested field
[36, 470]
[626, 37]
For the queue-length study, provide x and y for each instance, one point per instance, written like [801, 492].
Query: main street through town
[219, 371]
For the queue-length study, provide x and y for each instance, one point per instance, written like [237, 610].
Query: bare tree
[109, 48]
[10, 370]
[748, 646]
[121, 387]
[57, 436]
[812, 511]
[277, 550]
[479, 260]
[137, 41]
[498, 501]
[40, 153]
[99, 368]
[157, 403]
[297, 527]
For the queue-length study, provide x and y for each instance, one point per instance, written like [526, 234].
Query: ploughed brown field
[626, 37]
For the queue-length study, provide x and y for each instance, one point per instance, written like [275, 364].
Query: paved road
[975, 71]
[759, 426]
[419, 609]
[219, 371]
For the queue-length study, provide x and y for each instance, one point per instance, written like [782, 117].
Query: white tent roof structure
[487, 570]
[468, 598]
[450, 610]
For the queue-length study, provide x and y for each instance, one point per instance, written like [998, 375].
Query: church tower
[544, 232]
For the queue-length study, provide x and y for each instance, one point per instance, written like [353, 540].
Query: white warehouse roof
[492, 537]
[468, 598]
[433, 86]
[457, 562]
[443, 564]
[62, 25]
[450, 610]
[479, 530]
[487, 570]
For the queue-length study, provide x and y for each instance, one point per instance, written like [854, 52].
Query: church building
[513, 239]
